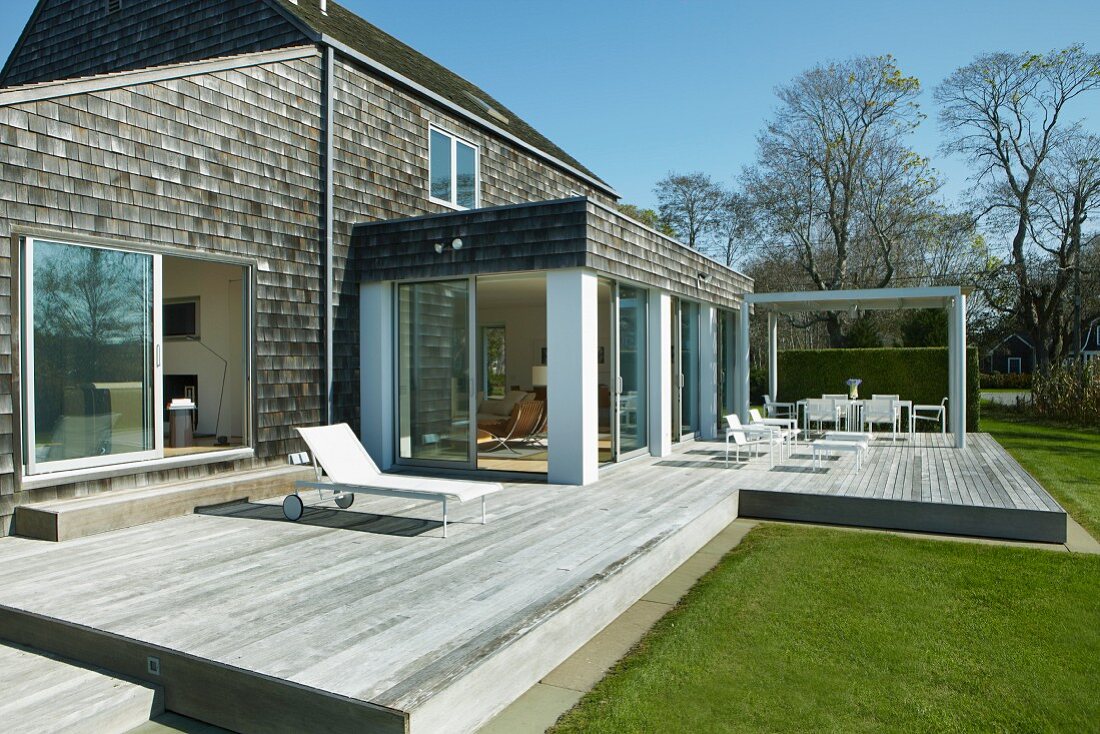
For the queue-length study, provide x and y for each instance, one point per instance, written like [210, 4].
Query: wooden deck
[367, 619]
[917, 483]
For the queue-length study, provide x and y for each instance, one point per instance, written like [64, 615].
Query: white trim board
[121, 79]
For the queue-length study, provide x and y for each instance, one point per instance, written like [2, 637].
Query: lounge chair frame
[374, 482]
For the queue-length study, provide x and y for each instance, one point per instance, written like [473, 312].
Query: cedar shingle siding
[224, 163]
[68, 38]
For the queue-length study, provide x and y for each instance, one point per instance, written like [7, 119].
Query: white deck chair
[772, 409]
[785, 427]
[750, 437]
[934, 413]
[821, 411]
[880, 410]
[338, 454]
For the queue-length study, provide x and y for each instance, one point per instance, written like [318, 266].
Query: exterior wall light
[456, 243]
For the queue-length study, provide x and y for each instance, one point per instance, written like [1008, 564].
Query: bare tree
[691, 203]
[834, 186]
[1007, 114]
[735, 234]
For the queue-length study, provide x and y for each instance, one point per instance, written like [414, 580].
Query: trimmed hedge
[919, 374]
[1002, 380]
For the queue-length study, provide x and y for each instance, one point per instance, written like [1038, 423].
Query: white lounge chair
[338, 454]
[751, 437]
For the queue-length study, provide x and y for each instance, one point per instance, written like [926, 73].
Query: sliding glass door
[689, 368]
[631, 421]
[91, 356]
[434, 373]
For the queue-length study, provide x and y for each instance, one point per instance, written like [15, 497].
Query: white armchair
[932, 413]
[750, 437]
[878, 411]
[773, 409]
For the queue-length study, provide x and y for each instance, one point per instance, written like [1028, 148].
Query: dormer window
[454, 180]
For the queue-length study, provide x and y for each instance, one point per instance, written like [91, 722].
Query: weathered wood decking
[368, 620]
[917, 483]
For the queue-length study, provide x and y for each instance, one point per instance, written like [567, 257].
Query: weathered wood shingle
[226, 163]
[74, 38]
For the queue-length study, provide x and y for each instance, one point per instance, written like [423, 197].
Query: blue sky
[636, 88]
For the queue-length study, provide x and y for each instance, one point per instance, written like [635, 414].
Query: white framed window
[1015, 365]
[454, 177]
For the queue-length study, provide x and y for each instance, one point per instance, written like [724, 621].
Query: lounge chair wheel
[344, 501]
[293, 507]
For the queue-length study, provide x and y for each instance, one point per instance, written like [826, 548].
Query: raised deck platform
[920, 483]
[367, 619]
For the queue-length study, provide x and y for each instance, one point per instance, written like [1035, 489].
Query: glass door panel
[433, 366]
[92, 356]
[631, 363]
[689, 368]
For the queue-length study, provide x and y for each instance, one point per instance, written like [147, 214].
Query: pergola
[951, 298]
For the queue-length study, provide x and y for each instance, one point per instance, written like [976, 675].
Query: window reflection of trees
[92, 325]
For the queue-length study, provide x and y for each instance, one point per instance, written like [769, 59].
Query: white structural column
[743, 363]
[659, 363]
[957, 355]
[376, 375]
[773, 356]
[572, 342]
[708, 371]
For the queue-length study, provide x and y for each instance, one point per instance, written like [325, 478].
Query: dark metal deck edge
[889, 514]
[219, 694]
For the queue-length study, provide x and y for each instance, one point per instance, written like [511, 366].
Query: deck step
[59, 520]
[45, 693]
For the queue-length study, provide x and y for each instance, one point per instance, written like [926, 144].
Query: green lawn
[1065, 460]
[808, 629]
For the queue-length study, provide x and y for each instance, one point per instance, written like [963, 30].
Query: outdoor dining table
[852, 413]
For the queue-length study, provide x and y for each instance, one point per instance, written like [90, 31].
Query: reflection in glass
[433, 366]
[440, 161]
[495, 367]
[92, 341]
[466, 171]
[632, 368]
[726, 361]
[689, 367]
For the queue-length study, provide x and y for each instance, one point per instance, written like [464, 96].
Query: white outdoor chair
[340, 457]
[886, 397]
[879, 410]
[821, 411]
[932, 413]
[785, 427]
[751, 438]
[773, 409]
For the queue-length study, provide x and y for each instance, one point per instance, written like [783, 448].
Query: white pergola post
[659, 347]
[376, 375]
[773, 355]
[572, 341]
[957, 355]
[708, 371]
[743, 363]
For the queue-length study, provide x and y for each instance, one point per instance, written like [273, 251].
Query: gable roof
[341, 27]
[1090, 341]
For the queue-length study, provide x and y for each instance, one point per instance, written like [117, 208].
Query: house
[1090, 341]
[223, 220]
[1015, 354]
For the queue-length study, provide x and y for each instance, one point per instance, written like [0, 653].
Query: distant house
[1015, 354]
[1090, 341]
